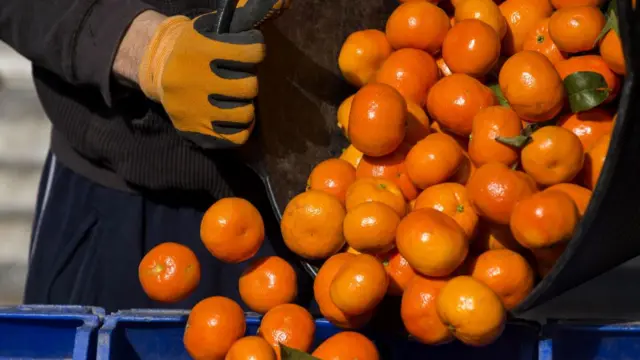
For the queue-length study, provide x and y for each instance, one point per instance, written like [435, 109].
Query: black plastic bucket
[301, 89]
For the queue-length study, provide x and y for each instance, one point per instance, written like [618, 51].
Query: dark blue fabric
[90, 239]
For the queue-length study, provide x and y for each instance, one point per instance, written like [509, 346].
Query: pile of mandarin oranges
[478, 130]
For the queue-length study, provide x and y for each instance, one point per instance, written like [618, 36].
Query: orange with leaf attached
[590, 63]
[290, 325]
[489, 125]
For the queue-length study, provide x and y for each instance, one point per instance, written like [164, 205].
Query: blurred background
[24, 139]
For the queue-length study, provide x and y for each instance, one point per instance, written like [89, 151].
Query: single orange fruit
[538, 39]
[465, 170]
[432, 242]
[332, 176]
[451, 199]
[418, 25]
[581, 196]
[213, 326]
[493, 236]
[559, 4]
[417, 124]
[370, 227]
[352, 155]
[321, 293]
[486, 11]
[169, 272]
[345, 346]
[399, 271]
[362, 54]
[522, 17]
[359, 285]
[377, 121]
[433, 160]
[592, 63]
[378, 190]
[410, 71]
[418, 311]
[611, 52]
[588, 125]
[507, 273]
[471, 47]
[546, 258]
[312, 225]
[489, 124]
[290, 325]
[266, 283]
[471, 310]
[344, 110]
[532, 86]
[251, 348]
[456, 99]
[594, 161]
[390, 167]
[494, 189]
[544, 219]
[554, 155]
[575, 29]
[443, 67]
[232, 230]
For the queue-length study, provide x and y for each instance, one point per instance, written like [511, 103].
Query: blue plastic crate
[157, 334]
[49, 332]
[579, 340]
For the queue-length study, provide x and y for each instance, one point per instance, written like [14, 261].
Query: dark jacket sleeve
[76, 39]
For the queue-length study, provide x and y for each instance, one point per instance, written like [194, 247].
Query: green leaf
[586, 90]
[287, 353]
[612, 21]
[515, 141]
[499, 95]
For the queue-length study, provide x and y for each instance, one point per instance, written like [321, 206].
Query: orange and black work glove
[204, 79]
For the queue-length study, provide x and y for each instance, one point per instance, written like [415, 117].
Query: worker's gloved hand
[204, 79]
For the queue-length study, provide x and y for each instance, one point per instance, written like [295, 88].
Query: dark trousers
[88, 240]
